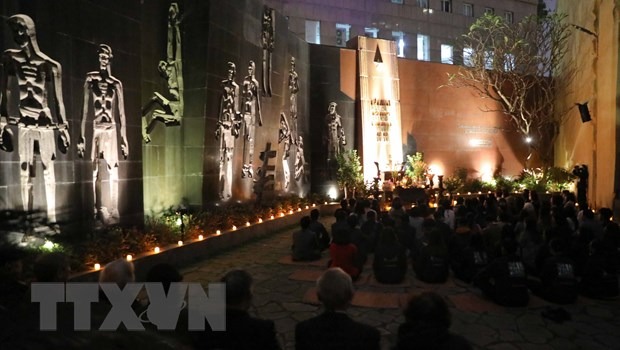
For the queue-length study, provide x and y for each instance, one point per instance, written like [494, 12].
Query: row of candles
[156, 250]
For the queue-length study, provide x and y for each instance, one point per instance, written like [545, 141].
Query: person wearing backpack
[505, 281]
[557, 276]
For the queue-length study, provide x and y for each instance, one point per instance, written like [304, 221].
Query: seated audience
[390, 262]
[600, 275]
[427, 324]
[243, 332]
[317, 227]
[371, 229]
[505, 281]
[305, 242]
[343, 254]
[557, 277]
[431, 263]
[471, 260]
[334, 329]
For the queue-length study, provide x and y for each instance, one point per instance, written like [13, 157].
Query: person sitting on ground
[371, 229]
[431, 262]
[305, 243]
[390, 262]
[600, 275]
[427, 324]
[397, 208]
[471, 260]
[505, 280]
[317, 227]
[358, 238]
[243, 332]
[341, 221]
[334, 329]
[557, 276]
[343, 254]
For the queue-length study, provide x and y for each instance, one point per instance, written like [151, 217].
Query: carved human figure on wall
[268, 41]
[251, 114]
[300, 160]
[285, 137]
[170, 110]
[37, 83]
[334, 136]
[228, 129]
[293, 88]
[103, 94]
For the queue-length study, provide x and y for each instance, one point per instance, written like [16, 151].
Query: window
[399, 37]
[488, 59]
[509, 16]
[371, 32]
[446, 5]
[489, 10]
[422, 3]
[467, 57]
[313, 32]
[397, 1]
[342, 34]
[446, 54]
[509, 62]
[468, 10]
[423, 48]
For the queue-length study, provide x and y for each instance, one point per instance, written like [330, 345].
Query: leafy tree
[349, 174]
[416, 167]
[519, 67]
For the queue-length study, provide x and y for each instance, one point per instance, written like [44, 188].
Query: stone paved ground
[594, 324]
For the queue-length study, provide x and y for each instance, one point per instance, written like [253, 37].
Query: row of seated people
[427, 318]
[473, 256]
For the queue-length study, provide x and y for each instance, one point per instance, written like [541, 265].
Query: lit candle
[281, 214]
[156, 250]
[325, 203]
[201, 237]
[272, 217]
[307, 207]
[468, 193]
[479, 192]
[129, 257]
[298, 209]
[247, 223]
[313, 205]
[97, 267]
[180, 243]
[234, 228]
[260, 221]
[218, 232]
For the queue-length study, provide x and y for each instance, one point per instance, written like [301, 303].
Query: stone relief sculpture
[103, 94]
[334, 137]
[171, 108]
[285, 137]
[251, 114]
[300, 160]
[228, 129]
[36, 81]
[293, 88]
[268, 41]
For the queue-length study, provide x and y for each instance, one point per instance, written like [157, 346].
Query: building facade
[423, 29]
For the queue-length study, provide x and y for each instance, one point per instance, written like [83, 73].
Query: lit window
[422, 3]
[446, 54]
[509, 62]
[446, 5]
[399, 37]
[371, 32]
[342, 34]
[509, 17]
[489, 10]
[468, 10]
[313, 32]
[488, 59]
[397, 1]
[468, 52]
[423, 48]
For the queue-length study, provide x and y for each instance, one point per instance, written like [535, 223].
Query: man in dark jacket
[242, 330]
[334, 329]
